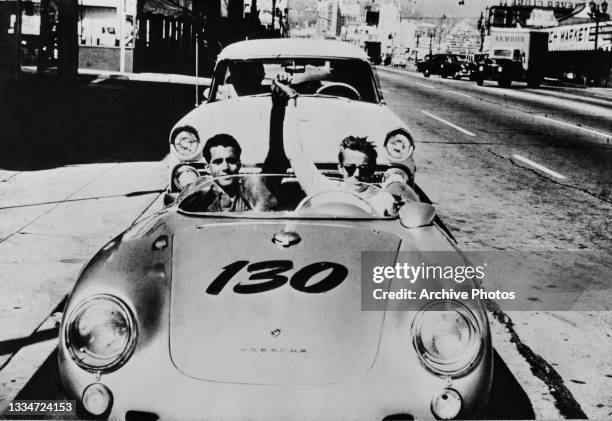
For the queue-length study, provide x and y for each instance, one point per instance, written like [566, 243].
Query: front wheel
[479, 80]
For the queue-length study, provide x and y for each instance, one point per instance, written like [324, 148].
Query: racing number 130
[270, 273]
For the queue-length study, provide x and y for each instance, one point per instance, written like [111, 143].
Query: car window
[348, 78]
[502, 53]
[271, 196]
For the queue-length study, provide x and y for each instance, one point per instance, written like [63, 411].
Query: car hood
[282, 335]
[324, 121]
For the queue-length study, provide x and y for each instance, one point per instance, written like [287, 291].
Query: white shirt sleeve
[307, 173]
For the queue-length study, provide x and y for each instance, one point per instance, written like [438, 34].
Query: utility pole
[121, 18]
[68, 60]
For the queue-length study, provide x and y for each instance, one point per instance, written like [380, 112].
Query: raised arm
[276, 161]
[309, 177]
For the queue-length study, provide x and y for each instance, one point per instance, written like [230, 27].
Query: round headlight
[500, 69]
[100, 333]
[399, 146]
[447, 338]
[185, 175]
[186, 144]
[481, 68]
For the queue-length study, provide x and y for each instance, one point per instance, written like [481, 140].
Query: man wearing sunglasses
[356, 162]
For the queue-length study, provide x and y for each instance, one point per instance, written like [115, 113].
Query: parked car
[399, 60]
[446, 65]
[330, 76]
[257, 314]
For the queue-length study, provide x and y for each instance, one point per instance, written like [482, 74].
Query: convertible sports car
[260, 314]
[339, 96]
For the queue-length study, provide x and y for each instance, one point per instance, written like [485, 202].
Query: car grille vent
[399, 417]
[141, 416]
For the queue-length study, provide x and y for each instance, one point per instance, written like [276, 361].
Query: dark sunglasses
[365, 171]
[230, 161]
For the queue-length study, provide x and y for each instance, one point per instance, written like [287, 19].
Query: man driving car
[356, 163]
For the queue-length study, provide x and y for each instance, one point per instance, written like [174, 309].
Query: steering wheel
[337, 202]
[339, 89]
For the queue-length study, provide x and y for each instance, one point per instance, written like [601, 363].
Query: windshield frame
[203, 182]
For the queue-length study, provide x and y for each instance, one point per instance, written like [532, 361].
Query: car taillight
[186, 144]
[184, 175]
[399, 145]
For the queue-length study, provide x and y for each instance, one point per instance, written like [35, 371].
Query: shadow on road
[45, 126]
[508, 400]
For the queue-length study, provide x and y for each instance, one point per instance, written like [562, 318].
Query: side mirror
[416, 214]
[206, 93]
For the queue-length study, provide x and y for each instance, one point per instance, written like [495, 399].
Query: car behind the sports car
[339, 96]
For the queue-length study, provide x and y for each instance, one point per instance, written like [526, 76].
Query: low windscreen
[272, 196]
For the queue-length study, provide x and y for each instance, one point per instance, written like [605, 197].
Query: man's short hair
[223, 139]
[359, 144]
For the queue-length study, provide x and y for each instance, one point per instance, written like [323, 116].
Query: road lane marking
[458, 93]
[98, 80]
[448, 123]
[539, 167]
[563, 123]
[384, 91]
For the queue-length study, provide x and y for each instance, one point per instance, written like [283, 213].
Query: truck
[514, 54]
[373, 49]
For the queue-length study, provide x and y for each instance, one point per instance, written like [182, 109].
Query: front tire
[479, 80]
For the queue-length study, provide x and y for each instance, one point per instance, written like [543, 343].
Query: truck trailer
[514, 54]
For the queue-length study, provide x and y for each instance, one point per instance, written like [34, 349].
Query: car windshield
[272, 196]
[348, 78]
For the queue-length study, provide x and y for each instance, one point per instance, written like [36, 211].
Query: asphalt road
[476, 150]
[527, 170]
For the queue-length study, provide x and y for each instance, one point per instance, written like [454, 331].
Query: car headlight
[184, 175]
[186, 144]
[447, 338]
[500, 69]
[481, 68]
[100, 333]
[399, 145]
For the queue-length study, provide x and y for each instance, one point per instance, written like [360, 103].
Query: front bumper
[153, 385]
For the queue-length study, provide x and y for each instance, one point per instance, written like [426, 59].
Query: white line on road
[608, 135]
[458, 93]
[98, 80]
[454, 126]
[539, 167]
[384, 91]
